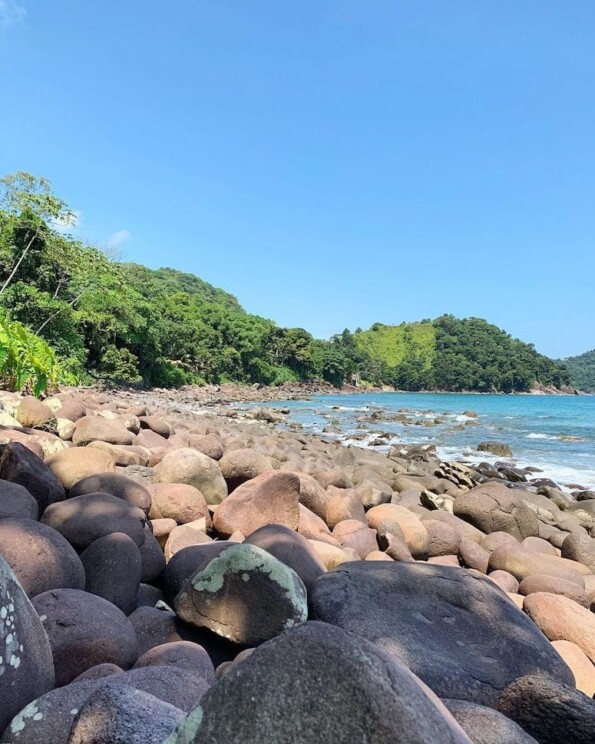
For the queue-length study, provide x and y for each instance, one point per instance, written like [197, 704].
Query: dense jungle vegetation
[582, 370]
[70, 313]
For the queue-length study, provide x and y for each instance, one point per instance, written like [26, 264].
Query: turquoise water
[554, 433]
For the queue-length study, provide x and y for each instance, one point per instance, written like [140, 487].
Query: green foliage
[26, 361]
[581, 370]
[125, 323]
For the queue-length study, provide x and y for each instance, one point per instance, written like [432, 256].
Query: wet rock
[455, 629]
[72, 465]
[16, 501]
[244, 594]
[84, 630]
[549, 711]
[195, 469]
[270, 498]
[495, 448]
[117, 485]
[486, 725]
[291, 549]
[113, 570]
[26, 667]
[20, 466]
[118, 714]
[178, 501]
[561, 619]
[39, 556]
[84, 519]
[374, 698]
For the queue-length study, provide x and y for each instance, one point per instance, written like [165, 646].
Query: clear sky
[332, 163]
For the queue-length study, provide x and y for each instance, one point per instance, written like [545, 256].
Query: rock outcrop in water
[184, 574]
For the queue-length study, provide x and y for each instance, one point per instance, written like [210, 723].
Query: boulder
[98, 672]
[562, 619]
[118, 714]
[40, 557]
[270, 498]
[552, 585]
[189, 466]
[208, 444]
[113, 569]
[178, 501]
[505, 581]
[180, 654]
[32, 413]
[485, 725]
[444, 539]
[72, 465]
[373, 698]
[241, 465]
[84, 519]
[474, 556]
[492, 507]
[19, 465]
[351, 533]
[16, 501]
[343, 504]
[291, 549]
[84, 630]
[549, 711]
[71, 409]
[184, 536]
[581, 667]
[26, 669]
[581, 548]
[495, 448]
[454, 628]
[117, 485]
[156, 424]
[187, 562]
[151, 557]
[245, 595]
[97, 428]
[387, 517]
[521, 563]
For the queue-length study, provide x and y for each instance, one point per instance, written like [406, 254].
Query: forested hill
[581, 370]
[70, 312]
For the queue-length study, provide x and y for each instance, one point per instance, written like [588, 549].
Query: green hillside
[69, 312]
[581, 370]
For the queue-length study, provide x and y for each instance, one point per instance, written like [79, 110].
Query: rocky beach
[194, 566]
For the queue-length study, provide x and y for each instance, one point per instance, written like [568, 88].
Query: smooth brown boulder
[97, 428]
[152, 441]
[71, 409]
[178, 501]
[208, 444]
[539, 545]
[497, 539]
[329, 555]
[245, 594]
[492, 507]
[26, 670]
[156, 424]
[343, 504]
[313, 527]
[39, 556]
[474, 556]
[84, 630]
[32, 413]
[241, 465]
[184, 536]
[463, 528]
[384, 517]
[578, 661]
[581, 548]
[351, 533]
[192, 467]
[117, 485]
[521, 563]
[182, 654]
[84, 519]
[312, 495]
[72, 465]
[16, 501]
[291, 549]
[504, 580]
[113, 570]
[19, 465]
[270, 498]
[485, 725]
[562, 619]
[552, 585]
[444, 539]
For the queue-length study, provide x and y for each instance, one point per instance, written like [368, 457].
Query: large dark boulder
[186, 562]
[349, 692]
[16, 501]
[549, 711]
[118, 485]
[40, 557]
[113, 570]
[26, 666]
[244, 594]
[84, 630]
[20, 465]
[452, 627]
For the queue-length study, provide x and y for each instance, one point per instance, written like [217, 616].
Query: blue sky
[332, 163]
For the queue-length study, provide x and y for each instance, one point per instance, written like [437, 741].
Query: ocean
[553, 433]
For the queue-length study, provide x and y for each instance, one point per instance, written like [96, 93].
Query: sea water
[553, 433]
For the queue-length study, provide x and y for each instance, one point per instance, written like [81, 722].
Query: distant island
[70, 313]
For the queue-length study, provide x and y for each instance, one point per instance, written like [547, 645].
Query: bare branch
[18, 263]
